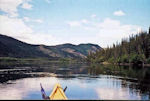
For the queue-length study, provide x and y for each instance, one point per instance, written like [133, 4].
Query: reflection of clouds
[10, 94]
[78, 88]
[21, 88]
[76, 83]
[115, 94]
[82, 84]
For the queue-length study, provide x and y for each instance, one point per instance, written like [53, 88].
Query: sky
[53, 22]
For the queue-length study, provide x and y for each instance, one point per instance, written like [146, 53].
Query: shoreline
[125, 64]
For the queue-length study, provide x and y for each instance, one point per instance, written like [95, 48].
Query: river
[83, 81]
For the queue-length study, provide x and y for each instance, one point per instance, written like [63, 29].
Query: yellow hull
[57, 93]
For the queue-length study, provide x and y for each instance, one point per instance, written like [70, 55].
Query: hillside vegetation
[10, 47]
[135, 50]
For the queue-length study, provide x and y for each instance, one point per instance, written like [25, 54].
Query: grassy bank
[9, 61]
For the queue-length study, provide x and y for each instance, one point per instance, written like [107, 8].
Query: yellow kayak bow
[58, 93]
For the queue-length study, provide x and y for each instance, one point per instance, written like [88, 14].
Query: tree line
[135, 49]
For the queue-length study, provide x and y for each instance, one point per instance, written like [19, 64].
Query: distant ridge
[11, 47]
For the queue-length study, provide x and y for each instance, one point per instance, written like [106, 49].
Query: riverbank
[125, 64]
[8, 62]
[130, 64]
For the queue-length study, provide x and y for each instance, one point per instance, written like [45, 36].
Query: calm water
[83, 82]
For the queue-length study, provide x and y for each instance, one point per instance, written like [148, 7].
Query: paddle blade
[44, 96]
[65, 88]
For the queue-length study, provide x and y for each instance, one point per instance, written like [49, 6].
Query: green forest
[135, 50]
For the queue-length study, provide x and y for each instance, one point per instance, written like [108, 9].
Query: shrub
[148, 60]
[125, 59]
[135, 58]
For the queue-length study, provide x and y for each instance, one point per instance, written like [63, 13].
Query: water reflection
[104, 87]
[25, 88]
[117, 94]
[84, 81]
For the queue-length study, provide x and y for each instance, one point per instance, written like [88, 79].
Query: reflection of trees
[124, 71]
[144, 83]
[139, 77]
[140, 82]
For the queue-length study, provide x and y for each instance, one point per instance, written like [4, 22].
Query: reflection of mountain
[10, 47]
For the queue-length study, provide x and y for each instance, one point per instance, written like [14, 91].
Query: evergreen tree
[135, 49]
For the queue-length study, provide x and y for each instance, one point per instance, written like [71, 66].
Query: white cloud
[27, 19]
[119, 13]
[48, 1]
[111, 31]
[78, 23]
[27, 6]
[74, 23]
[16, 28]
[109, 24]
[10, 6]
[38, 21]
[41, 38]
[104, 33]
[13, 27]
[84, 21]
[93, 15]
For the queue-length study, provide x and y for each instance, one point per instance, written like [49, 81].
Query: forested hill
[135, 49]
[10, 47]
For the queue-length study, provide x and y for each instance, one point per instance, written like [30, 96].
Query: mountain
[10, 47]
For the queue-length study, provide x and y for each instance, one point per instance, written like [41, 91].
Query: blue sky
[53, 22]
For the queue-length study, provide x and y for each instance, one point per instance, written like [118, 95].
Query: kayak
[57, 93]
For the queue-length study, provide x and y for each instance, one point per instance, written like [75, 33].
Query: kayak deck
[57, 93]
